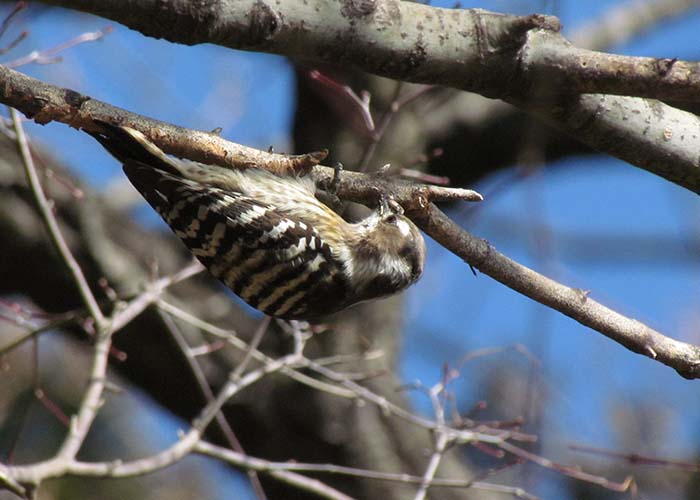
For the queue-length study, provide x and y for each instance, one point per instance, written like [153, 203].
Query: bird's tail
[130, 146]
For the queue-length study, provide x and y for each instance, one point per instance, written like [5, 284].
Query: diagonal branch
[45, 103]
[91, 401]
[573, 302]
[22, 91]
[52, 225]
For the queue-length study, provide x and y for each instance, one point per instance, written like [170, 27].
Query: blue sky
[586, 381]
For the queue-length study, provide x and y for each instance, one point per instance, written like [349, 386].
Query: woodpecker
[266, 236]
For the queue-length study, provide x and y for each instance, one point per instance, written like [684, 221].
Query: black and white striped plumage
[267, 237]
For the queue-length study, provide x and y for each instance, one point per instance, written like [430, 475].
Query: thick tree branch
[45, 103]
[485, 52]
[522, 60]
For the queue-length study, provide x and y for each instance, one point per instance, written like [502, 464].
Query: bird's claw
[335, 181]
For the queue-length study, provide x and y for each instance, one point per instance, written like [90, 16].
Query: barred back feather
[267, 237]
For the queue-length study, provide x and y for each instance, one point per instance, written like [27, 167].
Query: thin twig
[49, 56]
[152, 294]
[208, 394]
[459, 435]
[441, 440]
[398, 101]
[64, 463]
[377, 133]
[8, 482]
[34, 329]
[574, 472]
[91, 400]
[124, 313]
[51, 223]
[252, 347]
[637, 459]
[349, 388]
[19, 6]
[268, 467]
[229, 336]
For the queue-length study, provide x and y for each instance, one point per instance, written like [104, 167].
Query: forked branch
[46, 103]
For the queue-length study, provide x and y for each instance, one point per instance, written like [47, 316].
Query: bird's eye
[391, 219]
